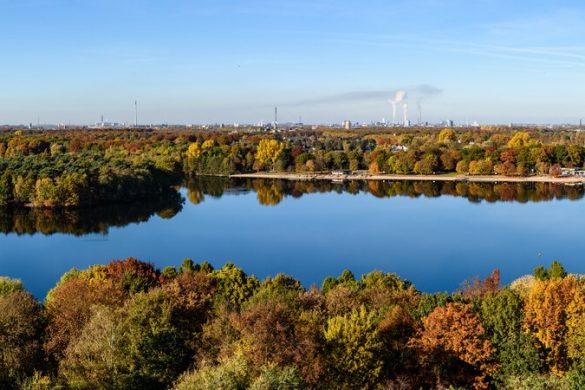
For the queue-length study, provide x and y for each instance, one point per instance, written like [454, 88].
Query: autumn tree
[21, 330]
[230, 374]
[576, 332]
[519, 139]
[462, 167]
[194, 150]
[354, 349]
[191, 296]
[233, 285]
[274, 331]
[132, 275]
[99, 357]
[453, 342]
[68, 307]
[546, 317]
[427, 166]
[447, 136]
[9, 286]
[477, 288]
[269, 151]
[276, 377]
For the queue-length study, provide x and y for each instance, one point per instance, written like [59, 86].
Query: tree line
[76, 168]
[87, 167]
[129, 325]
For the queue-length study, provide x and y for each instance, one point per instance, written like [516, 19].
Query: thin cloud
[418, 92]
[561, 56]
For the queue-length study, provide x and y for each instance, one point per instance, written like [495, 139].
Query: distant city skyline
[489, 61]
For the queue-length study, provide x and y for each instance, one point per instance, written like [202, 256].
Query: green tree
[6, 189]
[233, 285]
[21, 327]
[9, 286]
[354, 349]
[273, 377]
[157, 350]
[502, 316]
[99, 358]
[230, 374]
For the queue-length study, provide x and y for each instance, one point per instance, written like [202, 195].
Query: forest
[82, 167]
[129, 325]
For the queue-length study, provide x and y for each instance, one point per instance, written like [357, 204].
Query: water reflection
[268, 193]
[272, 192]
[84, 221]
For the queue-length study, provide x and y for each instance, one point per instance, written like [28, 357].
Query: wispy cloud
[561, 56]
[417, 92]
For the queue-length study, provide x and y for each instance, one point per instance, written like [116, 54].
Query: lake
[433, 234]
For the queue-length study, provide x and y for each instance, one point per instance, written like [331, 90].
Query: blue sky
[233, 61]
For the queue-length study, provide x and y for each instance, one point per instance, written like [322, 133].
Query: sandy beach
[448, 177]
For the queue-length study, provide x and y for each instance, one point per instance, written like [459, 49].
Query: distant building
[572, 172]
[399, 148]
[346, 125]
[340, 172]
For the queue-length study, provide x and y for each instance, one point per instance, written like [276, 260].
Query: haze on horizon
[490, 61]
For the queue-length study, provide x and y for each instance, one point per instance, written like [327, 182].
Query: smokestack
[135, 113]
[405, 114]
[275, 117]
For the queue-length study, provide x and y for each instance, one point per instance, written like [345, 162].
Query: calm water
[434, 234]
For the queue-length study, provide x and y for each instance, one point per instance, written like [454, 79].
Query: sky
[321, 61]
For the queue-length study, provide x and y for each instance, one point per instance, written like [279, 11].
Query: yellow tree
[519, 139]
[355, 349]
[269, 151]
[546, 308]
[447, 135]
[194, 150]
[576, 330]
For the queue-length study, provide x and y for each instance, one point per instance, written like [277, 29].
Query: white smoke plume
[399, 96]
[417, 93]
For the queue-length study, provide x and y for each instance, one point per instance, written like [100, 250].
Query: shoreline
[388, 177]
